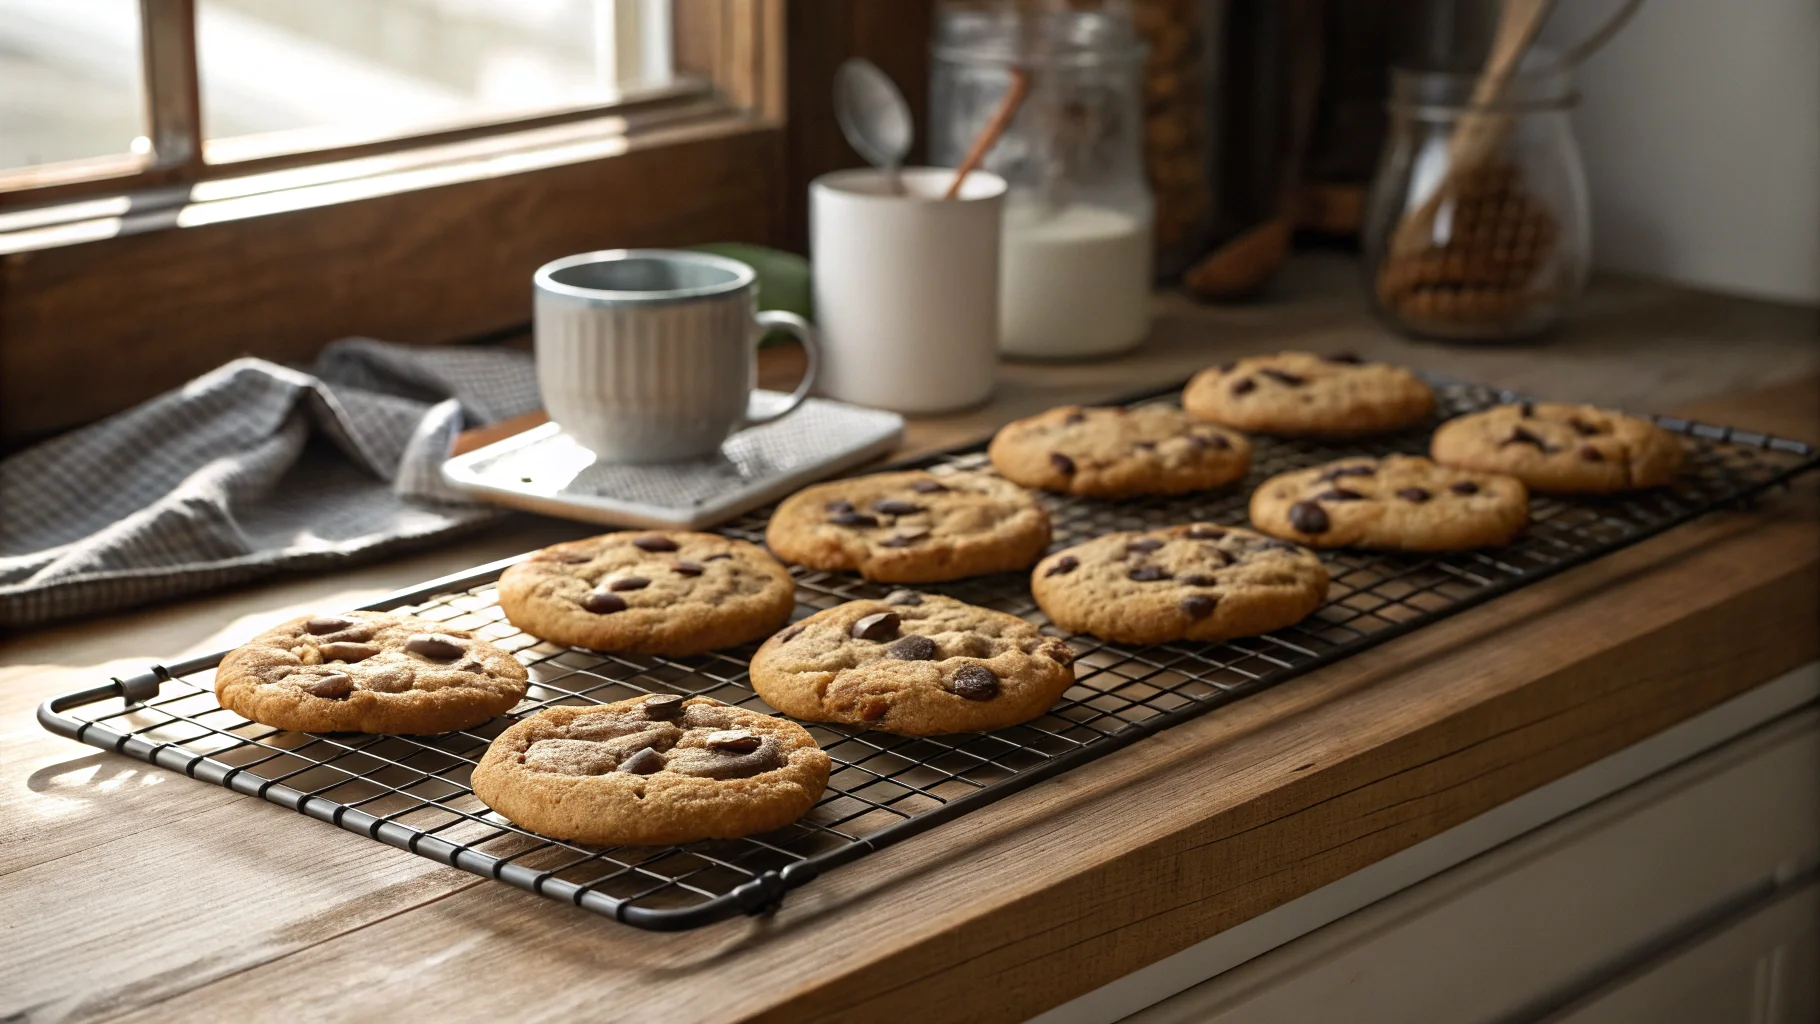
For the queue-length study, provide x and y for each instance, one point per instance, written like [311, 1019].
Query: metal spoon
[873, 116]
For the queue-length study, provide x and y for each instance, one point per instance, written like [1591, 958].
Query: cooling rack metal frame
[411, 791]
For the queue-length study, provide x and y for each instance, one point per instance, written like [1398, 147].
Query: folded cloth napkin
[249, 470]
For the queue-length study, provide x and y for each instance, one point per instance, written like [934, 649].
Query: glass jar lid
[1002, 34]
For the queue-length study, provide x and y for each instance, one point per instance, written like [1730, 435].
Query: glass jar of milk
[1075, 262]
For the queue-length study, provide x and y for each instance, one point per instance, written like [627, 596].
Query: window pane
[331, 72]
[70, 82]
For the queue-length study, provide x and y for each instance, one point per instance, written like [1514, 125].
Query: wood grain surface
[131, 892]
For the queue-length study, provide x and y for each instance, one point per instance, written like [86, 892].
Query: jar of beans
[1477, 226]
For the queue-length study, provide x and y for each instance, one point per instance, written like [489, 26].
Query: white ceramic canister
[907, 287]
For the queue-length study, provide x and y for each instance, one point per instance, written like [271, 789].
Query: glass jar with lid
[1075, 262]
[1478, 227]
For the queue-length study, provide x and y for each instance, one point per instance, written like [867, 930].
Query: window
[100, 90]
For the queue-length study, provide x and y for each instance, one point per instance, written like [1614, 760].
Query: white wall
[1701, 131]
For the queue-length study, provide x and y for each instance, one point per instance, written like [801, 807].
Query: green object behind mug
[783, 278]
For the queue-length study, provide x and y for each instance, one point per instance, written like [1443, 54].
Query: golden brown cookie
[1402, 502]
[1115, 452]
[913, 664]
[368, 672]
[672, 593]
[1298, 394]
[652, 771]
[1196, 581]
[1560, 448]
[911, 527]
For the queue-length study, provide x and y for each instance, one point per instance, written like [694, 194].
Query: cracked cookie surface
[1561, 448]
[652, 770]
[1299, 394]
[1401, 502]
[911, 527]
[672, 593]
[913, 664]
[372, 672]
[1195, 581]
[1115, 452]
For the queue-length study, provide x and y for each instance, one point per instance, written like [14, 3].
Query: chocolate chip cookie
[1115, 452]
[1195, 581]
[913, 664]
[652, 771]
[911, 527]
[1560, 448]
[671, 593]
[1298, 394]
[1403, 502]
[368, 672]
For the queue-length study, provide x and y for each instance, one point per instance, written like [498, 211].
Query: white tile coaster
[544, 470]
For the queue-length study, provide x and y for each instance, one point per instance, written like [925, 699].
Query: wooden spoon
[989, 135]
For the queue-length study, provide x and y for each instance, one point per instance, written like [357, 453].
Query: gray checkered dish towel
[246, 471]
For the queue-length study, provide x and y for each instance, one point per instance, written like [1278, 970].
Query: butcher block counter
[130, 892]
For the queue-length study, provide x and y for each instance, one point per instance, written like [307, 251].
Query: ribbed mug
[649, 355]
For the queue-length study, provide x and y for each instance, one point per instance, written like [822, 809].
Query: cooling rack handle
[136, 689]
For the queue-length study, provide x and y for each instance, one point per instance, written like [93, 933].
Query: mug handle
[804, 332]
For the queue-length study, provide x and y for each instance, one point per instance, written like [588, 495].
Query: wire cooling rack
[412, 791]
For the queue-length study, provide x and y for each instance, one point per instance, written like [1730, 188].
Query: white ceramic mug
[649, 355]
[906, 287]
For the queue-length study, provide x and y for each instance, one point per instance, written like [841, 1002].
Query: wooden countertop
[131, 891]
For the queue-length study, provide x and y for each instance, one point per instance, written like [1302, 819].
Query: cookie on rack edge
[1400, 503]
[1559, 448]
[1299, 394]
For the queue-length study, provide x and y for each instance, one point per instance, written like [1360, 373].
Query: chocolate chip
[1144, 446]
[435, 646]
[323, 624]
[1463, 487]
[1198, 606]
[1244, 386]
[1074, 417]
[904, 597]
[1277, 545]
[842, 505]
[348, 652]
[1063, 565]
[913, 648]
[1339, 494]
[879, 626]
[1059, 652]
[859, 519]
[646, 761]
[572, 558]
[1520, 436]
[628, 583]
[1527, 409]
[469, 666]
[1062, 463]
[717, 558]
[974, 682]
[1196, 579]
[1349, 358]
[1307, 517]
[1202, 532]
[904, 539]
[733, 741]
[1591, 454]
[789, 634]
[654, 542]
[663, 707]
[334, 686]
[1283, 377]
[1583, 428]
[1415, 494]
[603, 602]
[1339, 471]
[688, 568]
[1143, 544]
[1215, 441]
[1148, 573]
[896, 507]
[928, 486]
